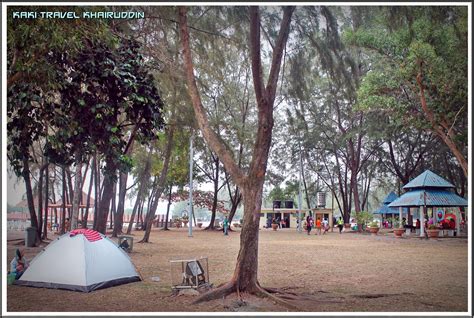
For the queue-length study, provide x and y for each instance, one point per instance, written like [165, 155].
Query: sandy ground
[331, 273]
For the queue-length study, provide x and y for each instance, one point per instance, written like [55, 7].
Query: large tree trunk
[46, 199]
[118, 223]
[113, 209]
[140, 214]
[148, 208]
[106, 197]
[355, 193]
[88, 202]
[29, 195]
[96, 190]
[63, 212]
[150, 215]
[77, 192]
[118, 217]
[141, 192]
[53, 195]
[68, 210]
[168, 208]
[69, 190]
[40, 202]
[245, 274]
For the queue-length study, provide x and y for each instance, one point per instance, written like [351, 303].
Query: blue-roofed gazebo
[429, 190]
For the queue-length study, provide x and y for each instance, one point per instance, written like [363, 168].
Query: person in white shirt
[325, 225]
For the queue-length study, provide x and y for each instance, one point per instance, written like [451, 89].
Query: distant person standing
[340, 224]
[325, 226]
[309, 224]
[226, 225]
[318, 226]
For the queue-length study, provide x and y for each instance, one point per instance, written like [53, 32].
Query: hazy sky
[15, 189]
[16, 192]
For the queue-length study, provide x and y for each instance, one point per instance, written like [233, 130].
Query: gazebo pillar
[458, 222]
[400, 217]
[422, 222]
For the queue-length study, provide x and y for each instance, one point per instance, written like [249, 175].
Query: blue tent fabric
[434, 198]
[428, 179]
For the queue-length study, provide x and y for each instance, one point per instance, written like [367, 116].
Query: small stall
[435, 199]
[288, 217]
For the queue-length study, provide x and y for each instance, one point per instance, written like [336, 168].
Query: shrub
[374, 224]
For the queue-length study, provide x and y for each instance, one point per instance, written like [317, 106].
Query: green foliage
[119, 92]
[363, 217]
[25, 123]
[288, 193]
[178, 173]
[427, 41]
[29, 41]
[101, 88]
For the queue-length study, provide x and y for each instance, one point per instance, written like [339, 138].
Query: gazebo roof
[430, 198]
[390, 198]
[428, 179]
[384, 209]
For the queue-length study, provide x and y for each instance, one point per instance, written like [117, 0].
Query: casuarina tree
[250, 183]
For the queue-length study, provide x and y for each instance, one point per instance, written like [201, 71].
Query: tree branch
[211, 137]
[278, 53]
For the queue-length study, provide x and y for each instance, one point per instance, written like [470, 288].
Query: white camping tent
[81, 260]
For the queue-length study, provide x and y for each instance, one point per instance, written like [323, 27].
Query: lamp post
[299, 193]
[191, 210]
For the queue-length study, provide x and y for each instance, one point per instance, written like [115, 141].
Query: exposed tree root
[219, 292]
[279, 300]
[232, 287]
[279, 291]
